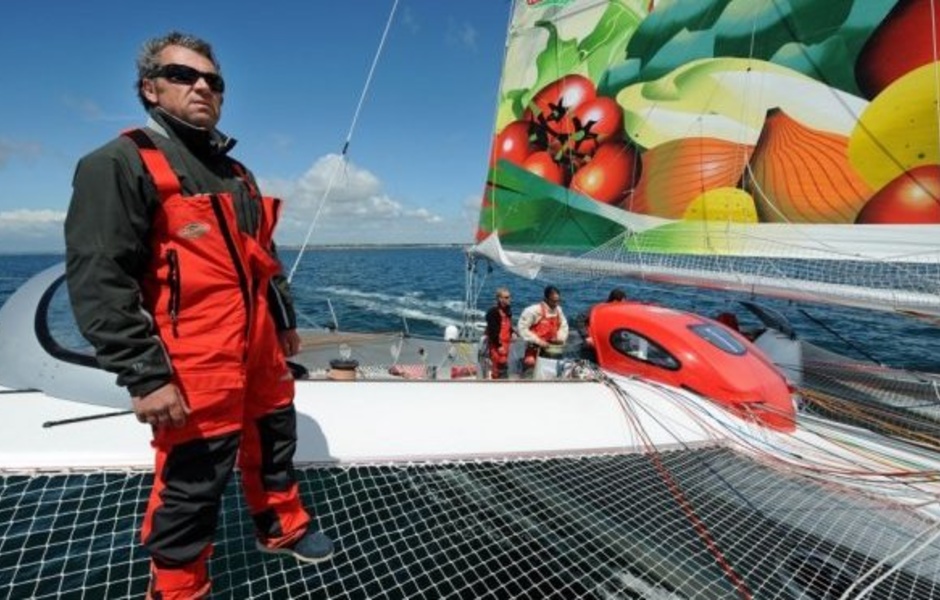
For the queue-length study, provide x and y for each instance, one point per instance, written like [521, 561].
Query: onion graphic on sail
[802, 175]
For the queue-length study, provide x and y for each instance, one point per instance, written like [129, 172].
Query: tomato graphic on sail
[912, 25]
[553, 106]
[512, 143]
[596, 121]
[911, 198]
[570, 136]
[542, 164]
[609, 175]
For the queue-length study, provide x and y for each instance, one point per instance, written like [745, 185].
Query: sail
[779, 147]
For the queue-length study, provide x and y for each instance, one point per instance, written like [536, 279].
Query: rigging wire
[345, 150]
[842, 338]
[904, 559]
[632, 418]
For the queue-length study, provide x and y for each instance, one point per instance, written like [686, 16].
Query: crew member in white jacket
[542, 324]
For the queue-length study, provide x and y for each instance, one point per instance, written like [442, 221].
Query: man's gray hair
[148, 60]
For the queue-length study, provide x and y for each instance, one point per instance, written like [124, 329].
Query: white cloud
[280, 141]
[470, 208]
[89, 110]
[409, 21]
[462, 34]
[357, 210]
[30, 219]
[10, 149]
[347, 204]
[24, 230]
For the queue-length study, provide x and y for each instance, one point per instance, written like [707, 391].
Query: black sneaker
[313, 547]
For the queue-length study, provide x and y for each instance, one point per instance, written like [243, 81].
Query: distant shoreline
[288, 248]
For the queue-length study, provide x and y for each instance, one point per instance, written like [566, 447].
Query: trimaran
[771, 146]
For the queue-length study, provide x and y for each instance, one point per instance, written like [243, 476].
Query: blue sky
[294, 72]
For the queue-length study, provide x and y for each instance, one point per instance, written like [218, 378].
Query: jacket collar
[201, 142]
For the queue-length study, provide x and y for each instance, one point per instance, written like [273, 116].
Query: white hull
[373, 421]
[378, 422]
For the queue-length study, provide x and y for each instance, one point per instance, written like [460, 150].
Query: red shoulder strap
[164, 178]
[242, 173]
[270, 213]
[270, 207]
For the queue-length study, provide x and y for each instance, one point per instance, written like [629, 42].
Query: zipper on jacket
[173, 280]
[243, 282]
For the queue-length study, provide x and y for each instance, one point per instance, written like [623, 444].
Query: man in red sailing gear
[173, 277]
[542, 324]
[499, 333]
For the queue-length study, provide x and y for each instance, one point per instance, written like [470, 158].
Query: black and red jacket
[499, 326]
[123, 255]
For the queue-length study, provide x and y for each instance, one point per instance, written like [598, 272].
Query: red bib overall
[206, 289]
[547, 329]
[499, 355]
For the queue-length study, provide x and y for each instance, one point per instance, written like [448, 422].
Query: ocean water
[74, 535]
[421, 290]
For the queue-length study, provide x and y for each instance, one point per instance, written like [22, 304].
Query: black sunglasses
[188, 76]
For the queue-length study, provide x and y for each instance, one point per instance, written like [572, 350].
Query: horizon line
[291, 247]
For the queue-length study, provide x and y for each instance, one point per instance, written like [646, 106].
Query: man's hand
[290, 342]
[161, 407]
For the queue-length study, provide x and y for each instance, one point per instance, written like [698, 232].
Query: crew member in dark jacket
[499, 333]
[173, 278]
